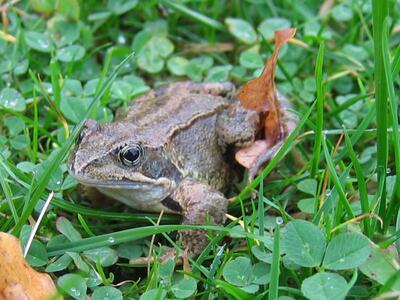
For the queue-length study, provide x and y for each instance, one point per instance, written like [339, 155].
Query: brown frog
[171, 152]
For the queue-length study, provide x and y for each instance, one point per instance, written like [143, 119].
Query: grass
[337, 171]
[320, 110]
[274, 284]
[394, 204]
[380, 12]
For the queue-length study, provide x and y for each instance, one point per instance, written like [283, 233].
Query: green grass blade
[395, 201]
[132, 217]
[29, 121]
[275, 266]
[380, 11]
[330, 201]
[390, 286]
[352, 281]
[342, 196]
[53, 163]
[216, 262]
[195, 15]
[115, 238]
[396, 63]
[35, 136]
[348, 103]
[15, 173]
[111, 239]
[8, 194]
[359, 131]
[55, 84]
[390, 240]
[260, 208]
[233, 291]
[104, 71]
[85, 225]
[320, 110]
[362, 186]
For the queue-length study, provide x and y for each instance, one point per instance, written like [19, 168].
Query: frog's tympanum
[173, 151]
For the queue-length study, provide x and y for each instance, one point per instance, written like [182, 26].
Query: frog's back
[165, 114]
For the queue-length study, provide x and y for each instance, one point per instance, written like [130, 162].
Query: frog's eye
[131, 155]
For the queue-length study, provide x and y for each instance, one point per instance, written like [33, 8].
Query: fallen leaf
[260, 94]
[254, 157]
[248, 155]
[18, 280]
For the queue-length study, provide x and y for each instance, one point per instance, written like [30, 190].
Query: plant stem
[320, 110]
[379, 13]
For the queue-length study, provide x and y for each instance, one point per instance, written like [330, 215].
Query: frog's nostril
[91, 125]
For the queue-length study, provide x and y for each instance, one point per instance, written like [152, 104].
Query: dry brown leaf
[247, 156]
[260, 93]
[18, 281]
[256, 155]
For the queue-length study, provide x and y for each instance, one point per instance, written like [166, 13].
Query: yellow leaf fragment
[7, 37]
[18, 280]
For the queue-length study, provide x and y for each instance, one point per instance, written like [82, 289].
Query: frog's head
[124, 163]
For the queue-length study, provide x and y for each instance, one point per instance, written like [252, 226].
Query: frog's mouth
[134, 180]
[138, 191]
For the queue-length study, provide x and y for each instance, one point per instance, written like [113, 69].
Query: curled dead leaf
[254, 156]
[248, 155]
[18, 280]
[260, 94]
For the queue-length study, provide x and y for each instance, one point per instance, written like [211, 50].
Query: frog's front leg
[237, 125]
[200, 205]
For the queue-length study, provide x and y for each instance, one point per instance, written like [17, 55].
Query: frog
[172, 151]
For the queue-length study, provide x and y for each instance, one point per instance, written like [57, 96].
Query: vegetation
[325, 221]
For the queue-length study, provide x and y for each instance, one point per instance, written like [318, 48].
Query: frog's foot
[200, 205]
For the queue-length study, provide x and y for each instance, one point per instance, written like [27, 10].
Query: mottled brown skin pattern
[184, 130]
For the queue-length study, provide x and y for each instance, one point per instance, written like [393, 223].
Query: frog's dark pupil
[132, 154]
